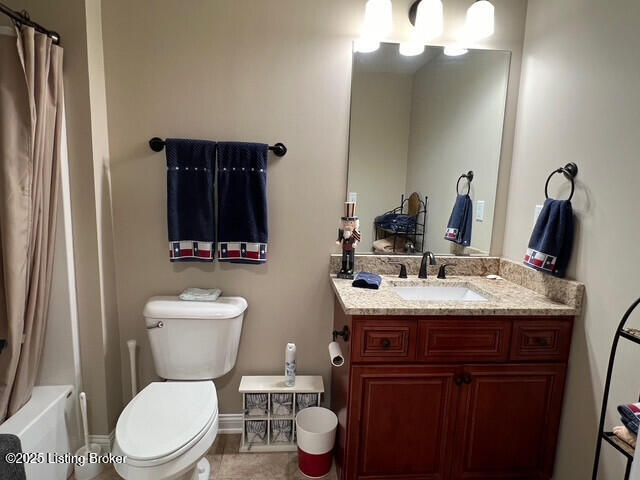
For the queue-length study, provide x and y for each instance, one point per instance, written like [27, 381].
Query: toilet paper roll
[335, 354]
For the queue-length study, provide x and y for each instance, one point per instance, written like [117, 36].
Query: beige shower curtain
[31, 98]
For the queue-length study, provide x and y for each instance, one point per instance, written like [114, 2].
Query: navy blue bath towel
[10, 444]
[460, 221]
[190, 210]
[552, 238]
[242, 202]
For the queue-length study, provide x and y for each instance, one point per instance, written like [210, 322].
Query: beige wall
[579, 101]
[457, 118]
[255, 71]
[252, 70]
[378, 144]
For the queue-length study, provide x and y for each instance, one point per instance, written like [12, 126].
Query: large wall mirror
[417, 125]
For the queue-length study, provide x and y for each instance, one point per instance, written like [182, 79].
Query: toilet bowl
[168, 427]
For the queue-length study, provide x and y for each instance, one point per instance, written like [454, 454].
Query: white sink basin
[439, 294]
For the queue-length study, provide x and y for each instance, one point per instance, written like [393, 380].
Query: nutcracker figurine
[349, 236]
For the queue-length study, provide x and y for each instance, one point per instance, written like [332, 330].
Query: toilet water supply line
[132, 344]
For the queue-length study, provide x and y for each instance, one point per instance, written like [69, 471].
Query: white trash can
[316, 434]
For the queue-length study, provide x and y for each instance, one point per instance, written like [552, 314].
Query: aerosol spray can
[290, 364]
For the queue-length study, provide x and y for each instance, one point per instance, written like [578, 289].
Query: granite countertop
[504, 298]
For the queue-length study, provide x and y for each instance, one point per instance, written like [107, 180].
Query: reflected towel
[552, 238]
[242, 202]
[190, 212]
[630, 416]
[367, 280]
[624, 434]
[460, 221]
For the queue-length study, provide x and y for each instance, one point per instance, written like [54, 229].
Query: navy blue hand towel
[460, 221]
[190, 193]
[10, 470]
[630, 416]
[552, 238]
[367, 280]
[242, 202]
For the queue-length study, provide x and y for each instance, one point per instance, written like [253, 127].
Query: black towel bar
[279, 149]
[570, 170]
[469, 177]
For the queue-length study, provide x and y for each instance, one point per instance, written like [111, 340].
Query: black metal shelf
[620, 445]
[418, 233]
[632, 334]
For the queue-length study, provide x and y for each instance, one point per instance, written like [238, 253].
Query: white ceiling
[387, 59]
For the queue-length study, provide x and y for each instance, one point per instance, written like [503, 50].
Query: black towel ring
[570, 170]
[469, 177]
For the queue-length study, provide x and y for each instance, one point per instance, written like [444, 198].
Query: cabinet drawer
[541, 340]
[463, 340]
[384, 341]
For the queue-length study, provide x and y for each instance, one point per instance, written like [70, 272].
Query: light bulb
[377, 18]
[366, 45]
[480, 20]
[454, 50]
[411, 48]
[429, 19]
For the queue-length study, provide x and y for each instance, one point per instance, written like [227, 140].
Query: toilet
[168, 427]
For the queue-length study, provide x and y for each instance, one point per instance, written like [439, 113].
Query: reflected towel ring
[570, 170]
[469, 177]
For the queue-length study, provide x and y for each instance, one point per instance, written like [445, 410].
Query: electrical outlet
[536, 213]
[480, 210]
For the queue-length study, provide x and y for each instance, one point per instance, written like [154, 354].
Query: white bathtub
[42, 425]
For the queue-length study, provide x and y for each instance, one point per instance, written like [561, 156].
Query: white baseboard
[229, 423]
[105, 441]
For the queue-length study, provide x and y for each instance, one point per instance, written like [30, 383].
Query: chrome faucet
[423, 266]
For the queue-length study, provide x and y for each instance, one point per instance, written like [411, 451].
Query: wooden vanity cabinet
[430, 397]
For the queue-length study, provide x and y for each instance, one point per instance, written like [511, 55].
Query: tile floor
[228, 464]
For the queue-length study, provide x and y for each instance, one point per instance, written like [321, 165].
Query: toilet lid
[164, 417]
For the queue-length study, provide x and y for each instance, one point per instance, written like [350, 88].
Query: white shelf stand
[270, 385]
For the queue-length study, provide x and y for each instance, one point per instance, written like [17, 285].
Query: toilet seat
[165, 420]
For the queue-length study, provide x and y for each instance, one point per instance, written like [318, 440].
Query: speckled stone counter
[503, 298]
[522, 291]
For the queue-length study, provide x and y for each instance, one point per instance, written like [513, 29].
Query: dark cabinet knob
[386, 343]
[542, 341]
[458, 380]
[467, 379]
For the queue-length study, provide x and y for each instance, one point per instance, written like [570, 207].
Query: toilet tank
[193, 340]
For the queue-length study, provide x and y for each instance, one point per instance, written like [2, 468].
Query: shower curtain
[31, 99]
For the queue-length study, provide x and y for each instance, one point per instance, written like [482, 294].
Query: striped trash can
[316, 434]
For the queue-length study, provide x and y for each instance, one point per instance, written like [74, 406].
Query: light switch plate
[536, 213]
[480, 210]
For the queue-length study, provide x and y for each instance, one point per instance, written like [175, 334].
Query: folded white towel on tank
[201, 294]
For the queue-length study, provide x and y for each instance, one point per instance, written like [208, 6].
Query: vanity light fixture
[377, 25]
[454, 50]
[411, 49]
[414, 46]
[366, 45]
[377, 18]
[429, 19]
[480, 20]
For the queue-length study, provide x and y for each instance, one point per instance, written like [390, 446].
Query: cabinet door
[508, 421]
[402, 420]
